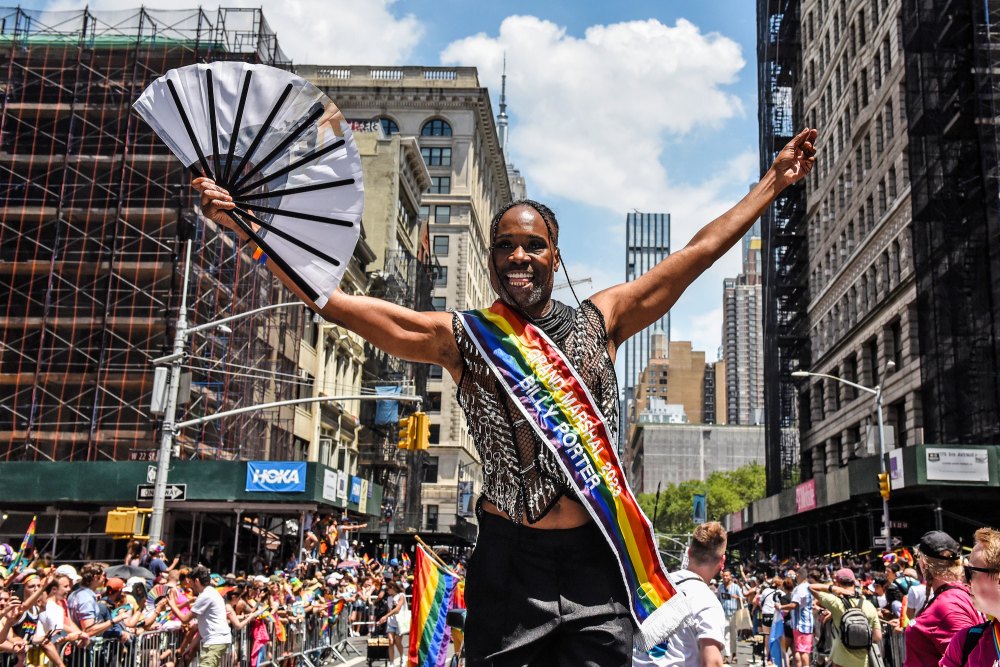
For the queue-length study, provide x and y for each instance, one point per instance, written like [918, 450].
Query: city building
[670, 452]
[647, 242]
[879, 265]
[450, 115]
[743, 341]
[676, 386]
[95, 214]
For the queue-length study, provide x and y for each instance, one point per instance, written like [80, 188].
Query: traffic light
[422, 431]
[884, 487]
[407, 434]
[127, 522]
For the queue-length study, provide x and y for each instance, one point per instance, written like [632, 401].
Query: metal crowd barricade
[893, 647]
[308, 643]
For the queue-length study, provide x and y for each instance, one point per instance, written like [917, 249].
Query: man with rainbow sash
[566, 570]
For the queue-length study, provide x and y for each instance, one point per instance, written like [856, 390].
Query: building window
[439, 303]
[441, 276]
[431, 470]
[425, 212]
[440, 185]
[441, 245]
[435, 437]
[432, 518]
[436, 128]
[436, 156]
[389, 127]
[435, 372]
[442, 215]
[434, 401]
[896, 335]
[871, 353]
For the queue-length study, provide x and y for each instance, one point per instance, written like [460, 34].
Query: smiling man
[565, 571]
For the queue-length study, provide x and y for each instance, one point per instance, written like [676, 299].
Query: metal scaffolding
[952, 64]
[785, 242]
[93, 210]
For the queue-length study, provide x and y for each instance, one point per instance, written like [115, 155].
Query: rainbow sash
[555, 401]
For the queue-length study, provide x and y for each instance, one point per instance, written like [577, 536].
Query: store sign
[955, 464]
[355, 496]
[363, 502]
[330, 485]
[805, 496]
[341, 485]
[276, 476]
[896, 469]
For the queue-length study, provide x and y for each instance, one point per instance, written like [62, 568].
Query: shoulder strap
[686, 579]
[972, 638]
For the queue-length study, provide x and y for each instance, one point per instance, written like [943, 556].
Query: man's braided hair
[548, 217]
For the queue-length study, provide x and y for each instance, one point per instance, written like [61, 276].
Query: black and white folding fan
[282, 150]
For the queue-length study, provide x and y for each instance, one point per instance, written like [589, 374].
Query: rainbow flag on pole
[433, 591]
[27, 547]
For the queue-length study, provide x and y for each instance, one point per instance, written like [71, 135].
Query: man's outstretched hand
[796, 159]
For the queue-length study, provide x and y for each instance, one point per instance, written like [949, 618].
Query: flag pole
[434, 557]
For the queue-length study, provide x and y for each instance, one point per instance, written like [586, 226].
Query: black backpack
[855, 628]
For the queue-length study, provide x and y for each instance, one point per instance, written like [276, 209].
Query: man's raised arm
[423, 337]
[631, 307]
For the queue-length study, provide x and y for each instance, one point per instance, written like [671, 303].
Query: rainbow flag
[433, 591]
[406, 560]
[27, 546]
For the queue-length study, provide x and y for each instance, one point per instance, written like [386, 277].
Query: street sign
[879, 541]
[174, 491]
[150, 474]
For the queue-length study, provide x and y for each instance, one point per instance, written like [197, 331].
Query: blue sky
[614, 106]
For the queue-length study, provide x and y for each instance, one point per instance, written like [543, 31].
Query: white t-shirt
[767, 599]
[707, 621]
[916, 597]
[52, 618]
[210, 608]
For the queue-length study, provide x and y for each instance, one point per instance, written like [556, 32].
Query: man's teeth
[519, 278]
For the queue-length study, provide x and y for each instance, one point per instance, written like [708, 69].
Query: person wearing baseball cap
[949, 606]
[837, 598]
[976, 646]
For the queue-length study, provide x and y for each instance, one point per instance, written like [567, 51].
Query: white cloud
[595, 114]
[318, 31]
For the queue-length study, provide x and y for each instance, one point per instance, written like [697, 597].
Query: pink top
[927, 637]
[984, 654]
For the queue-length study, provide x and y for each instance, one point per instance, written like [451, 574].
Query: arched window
[389, 126]
[436, 128]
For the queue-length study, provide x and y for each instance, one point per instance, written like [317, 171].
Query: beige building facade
[449, 114]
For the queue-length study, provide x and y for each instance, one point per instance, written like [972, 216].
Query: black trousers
[545, 597]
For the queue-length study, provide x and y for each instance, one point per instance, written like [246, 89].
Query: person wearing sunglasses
[977, 646]
[949, 606]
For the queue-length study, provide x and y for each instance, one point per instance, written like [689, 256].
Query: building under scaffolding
[94, 213]
[952, 52]
[785, 248]
[884, 267]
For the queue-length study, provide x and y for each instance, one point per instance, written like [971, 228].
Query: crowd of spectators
[49, 610]
[932, 604]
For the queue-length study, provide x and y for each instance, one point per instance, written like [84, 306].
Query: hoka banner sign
[276, 476]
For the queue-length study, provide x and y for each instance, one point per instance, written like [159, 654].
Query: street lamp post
[877, 393]
[176, 359]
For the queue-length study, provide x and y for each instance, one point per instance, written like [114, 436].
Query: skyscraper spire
[502, 116]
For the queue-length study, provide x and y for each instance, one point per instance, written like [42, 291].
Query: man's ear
[558, 259]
